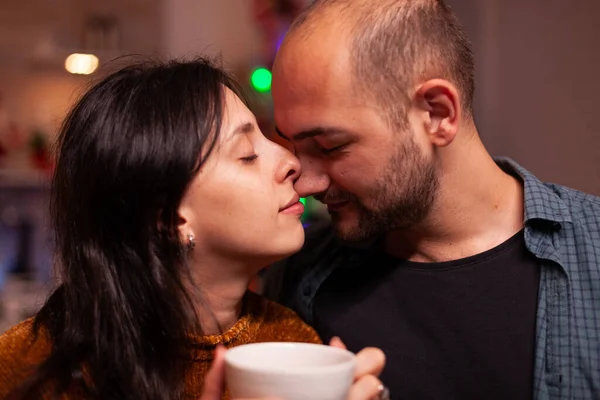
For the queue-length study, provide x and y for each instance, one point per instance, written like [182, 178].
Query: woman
[166, 201]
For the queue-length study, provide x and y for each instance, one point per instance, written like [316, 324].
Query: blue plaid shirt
[562, 229]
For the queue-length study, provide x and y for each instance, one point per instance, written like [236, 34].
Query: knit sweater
[261, 321]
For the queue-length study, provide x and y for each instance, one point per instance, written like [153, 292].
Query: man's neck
[478, 207]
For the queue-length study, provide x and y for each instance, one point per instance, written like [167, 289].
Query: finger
[366, 388]
[337, 342]
[262, 398]
[215, 378]
[369, 361]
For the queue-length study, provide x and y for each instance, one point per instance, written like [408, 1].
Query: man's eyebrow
[308, 133]
[281, 135]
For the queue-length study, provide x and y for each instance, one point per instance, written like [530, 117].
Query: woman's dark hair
[121, 319]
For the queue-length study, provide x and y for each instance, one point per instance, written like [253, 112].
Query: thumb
[337, 342]
[214, 381]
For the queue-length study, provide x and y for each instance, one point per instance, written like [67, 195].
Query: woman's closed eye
[249, 159]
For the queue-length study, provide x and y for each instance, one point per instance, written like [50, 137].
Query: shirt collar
[542, 201]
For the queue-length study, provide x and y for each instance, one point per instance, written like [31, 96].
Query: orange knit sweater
[262, 321]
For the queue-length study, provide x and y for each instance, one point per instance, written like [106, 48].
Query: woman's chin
[296, 240]
[287, 244]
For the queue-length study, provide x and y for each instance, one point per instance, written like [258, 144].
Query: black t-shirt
[461, 330]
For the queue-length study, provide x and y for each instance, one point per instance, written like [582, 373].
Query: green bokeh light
[261, 80]
[306, 213]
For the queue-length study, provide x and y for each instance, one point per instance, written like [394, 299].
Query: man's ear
[440, 100]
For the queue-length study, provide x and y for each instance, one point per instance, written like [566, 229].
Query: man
[476, 279]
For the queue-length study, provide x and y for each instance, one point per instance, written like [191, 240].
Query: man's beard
[400, 198]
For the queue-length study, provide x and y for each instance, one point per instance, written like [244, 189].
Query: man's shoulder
[319, 237]
[578, 216]
[579, 203]
[551, 201]
[581, 208]
[319, 241]
[282, 278]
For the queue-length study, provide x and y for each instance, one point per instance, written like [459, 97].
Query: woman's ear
[184, 226]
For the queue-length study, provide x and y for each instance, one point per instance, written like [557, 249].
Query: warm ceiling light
[82, 64]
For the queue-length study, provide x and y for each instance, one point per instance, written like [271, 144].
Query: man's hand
[369, 364]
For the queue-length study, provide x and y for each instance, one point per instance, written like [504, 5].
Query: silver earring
[191, 241]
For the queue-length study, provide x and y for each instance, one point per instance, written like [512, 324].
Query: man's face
[374, 177]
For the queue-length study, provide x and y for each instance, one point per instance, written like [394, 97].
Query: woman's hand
[214, 382]
[369, 364]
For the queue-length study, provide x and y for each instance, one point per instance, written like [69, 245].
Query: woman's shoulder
[22, 340]
[281, 324]
[21, 350]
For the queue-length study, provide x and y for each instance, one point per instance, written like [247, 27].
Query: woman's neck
[219, 292]
[219, 311]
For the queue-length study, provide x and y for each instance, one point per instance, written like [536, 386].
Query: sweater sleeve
[20, 353]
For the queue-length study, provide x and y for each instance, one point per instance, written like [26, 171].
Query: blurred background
[535, 100]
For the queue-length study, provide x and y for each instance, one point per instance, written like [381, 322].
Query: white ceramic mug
[289, 371]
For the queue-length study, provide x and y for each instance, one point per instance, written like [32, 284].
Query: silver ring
[384, 393]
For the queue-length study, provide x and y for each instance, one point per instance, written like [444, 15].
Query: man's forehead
[312, 84]
[311, 78]
[312, 56]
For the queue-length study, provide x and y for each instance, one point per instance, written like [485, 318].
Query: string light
[261, 80]
[81, 64]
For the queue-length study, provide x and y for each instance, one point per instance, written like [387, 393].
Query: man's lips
[337, 205]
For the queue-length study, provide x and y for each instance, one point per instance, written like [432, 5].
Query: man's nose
[310, 182]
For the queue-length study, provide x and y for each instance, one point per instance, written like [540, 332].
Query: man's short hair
[395, 44]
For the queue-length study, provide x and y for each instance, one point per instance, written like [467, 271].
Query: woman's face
[242, 204]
